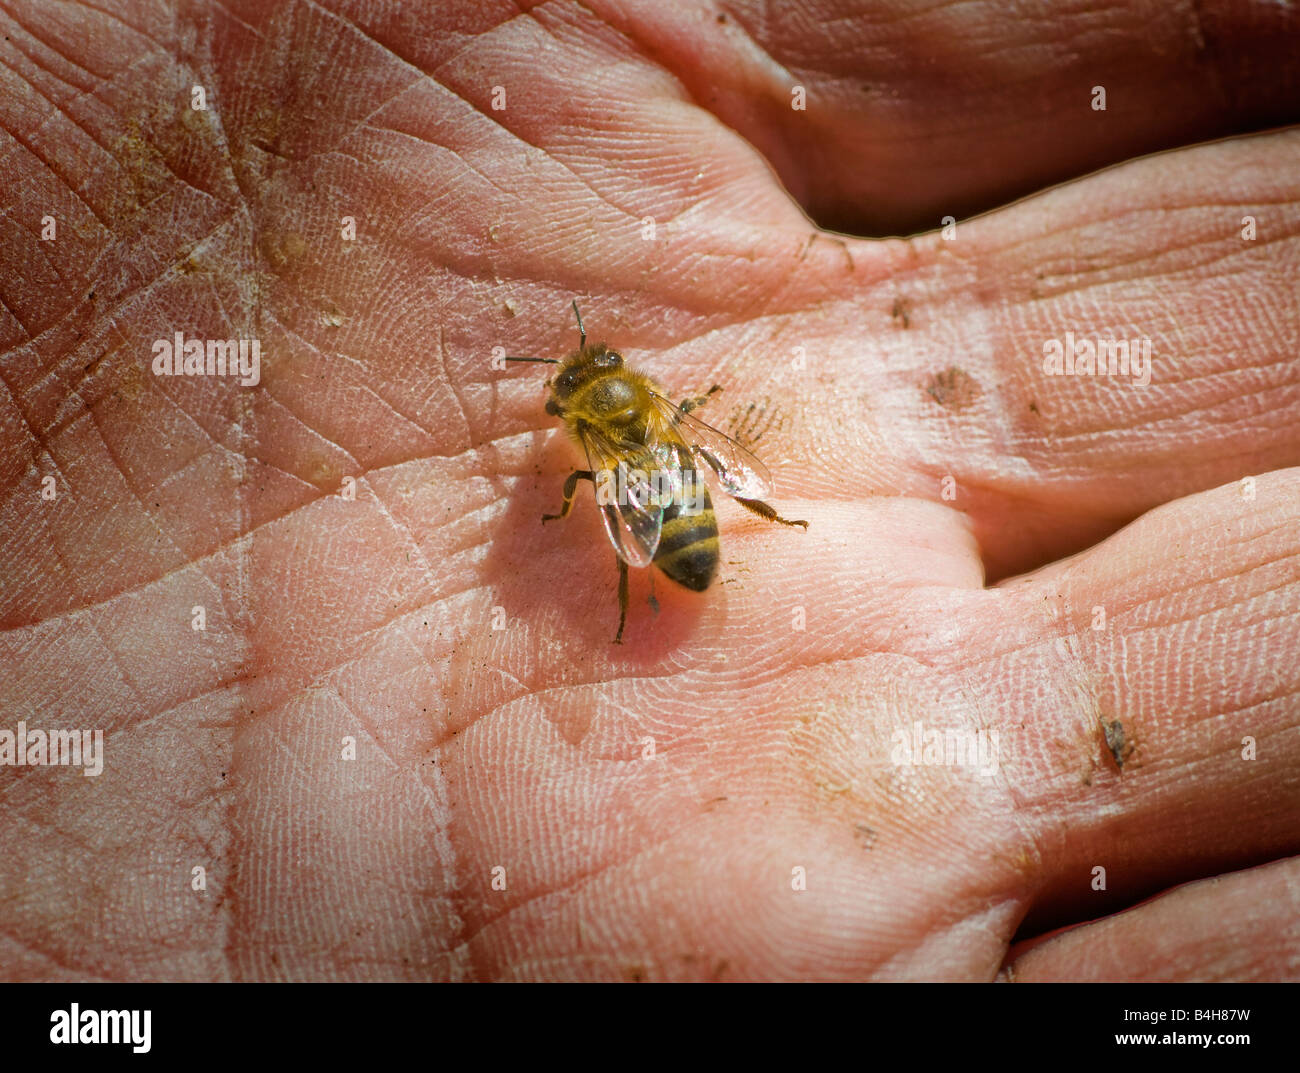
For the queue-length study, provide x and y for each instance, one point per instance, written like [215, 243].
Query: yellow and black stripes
[688, 549]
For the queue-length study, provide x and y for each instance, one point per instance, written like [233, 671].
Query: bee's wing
[741, 474]
[632, 513]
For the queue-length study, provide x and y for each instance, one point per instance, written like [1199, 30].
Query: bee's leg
[622, 600]
[687, 405]
[654, 604]
[764, 511]
[570, 486]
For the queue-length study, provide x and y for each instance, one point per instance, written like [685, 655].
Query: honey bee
[643, 454]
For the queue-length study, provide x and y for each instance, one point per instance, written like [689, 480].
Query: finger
[1204, 931]
[1189, 262]
[1154, 735]
[909, 116]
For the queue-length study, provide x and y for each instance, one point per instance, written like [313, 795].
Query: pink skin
[920, 437]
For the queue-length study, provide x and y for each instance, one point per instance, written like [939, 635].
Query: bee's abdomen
[688, 544]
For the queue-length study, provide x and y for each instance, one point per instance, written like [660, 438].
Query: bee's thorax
[614, 399]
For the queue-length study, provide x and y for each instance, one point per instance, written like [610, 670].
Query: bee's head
[584, 365]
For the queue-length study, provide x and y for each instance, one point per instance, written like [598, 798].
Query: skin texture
[991, 548]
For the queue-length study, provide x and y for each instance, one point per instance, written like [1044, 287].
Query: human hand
[903, 409]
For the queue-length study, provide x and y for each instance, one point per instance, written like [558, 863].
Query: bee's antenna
[548, 361]
[582, 332]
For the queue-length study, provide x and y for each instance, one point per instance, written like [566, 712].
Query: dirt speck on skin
[865, 835]
[324, 475]
[143, 165]
[953, 388]
[1117, 742]
[131, 383]
[902, 313]
[283, 248]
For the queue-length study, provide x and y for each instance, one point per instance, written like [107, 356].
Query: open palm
[402, 744]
